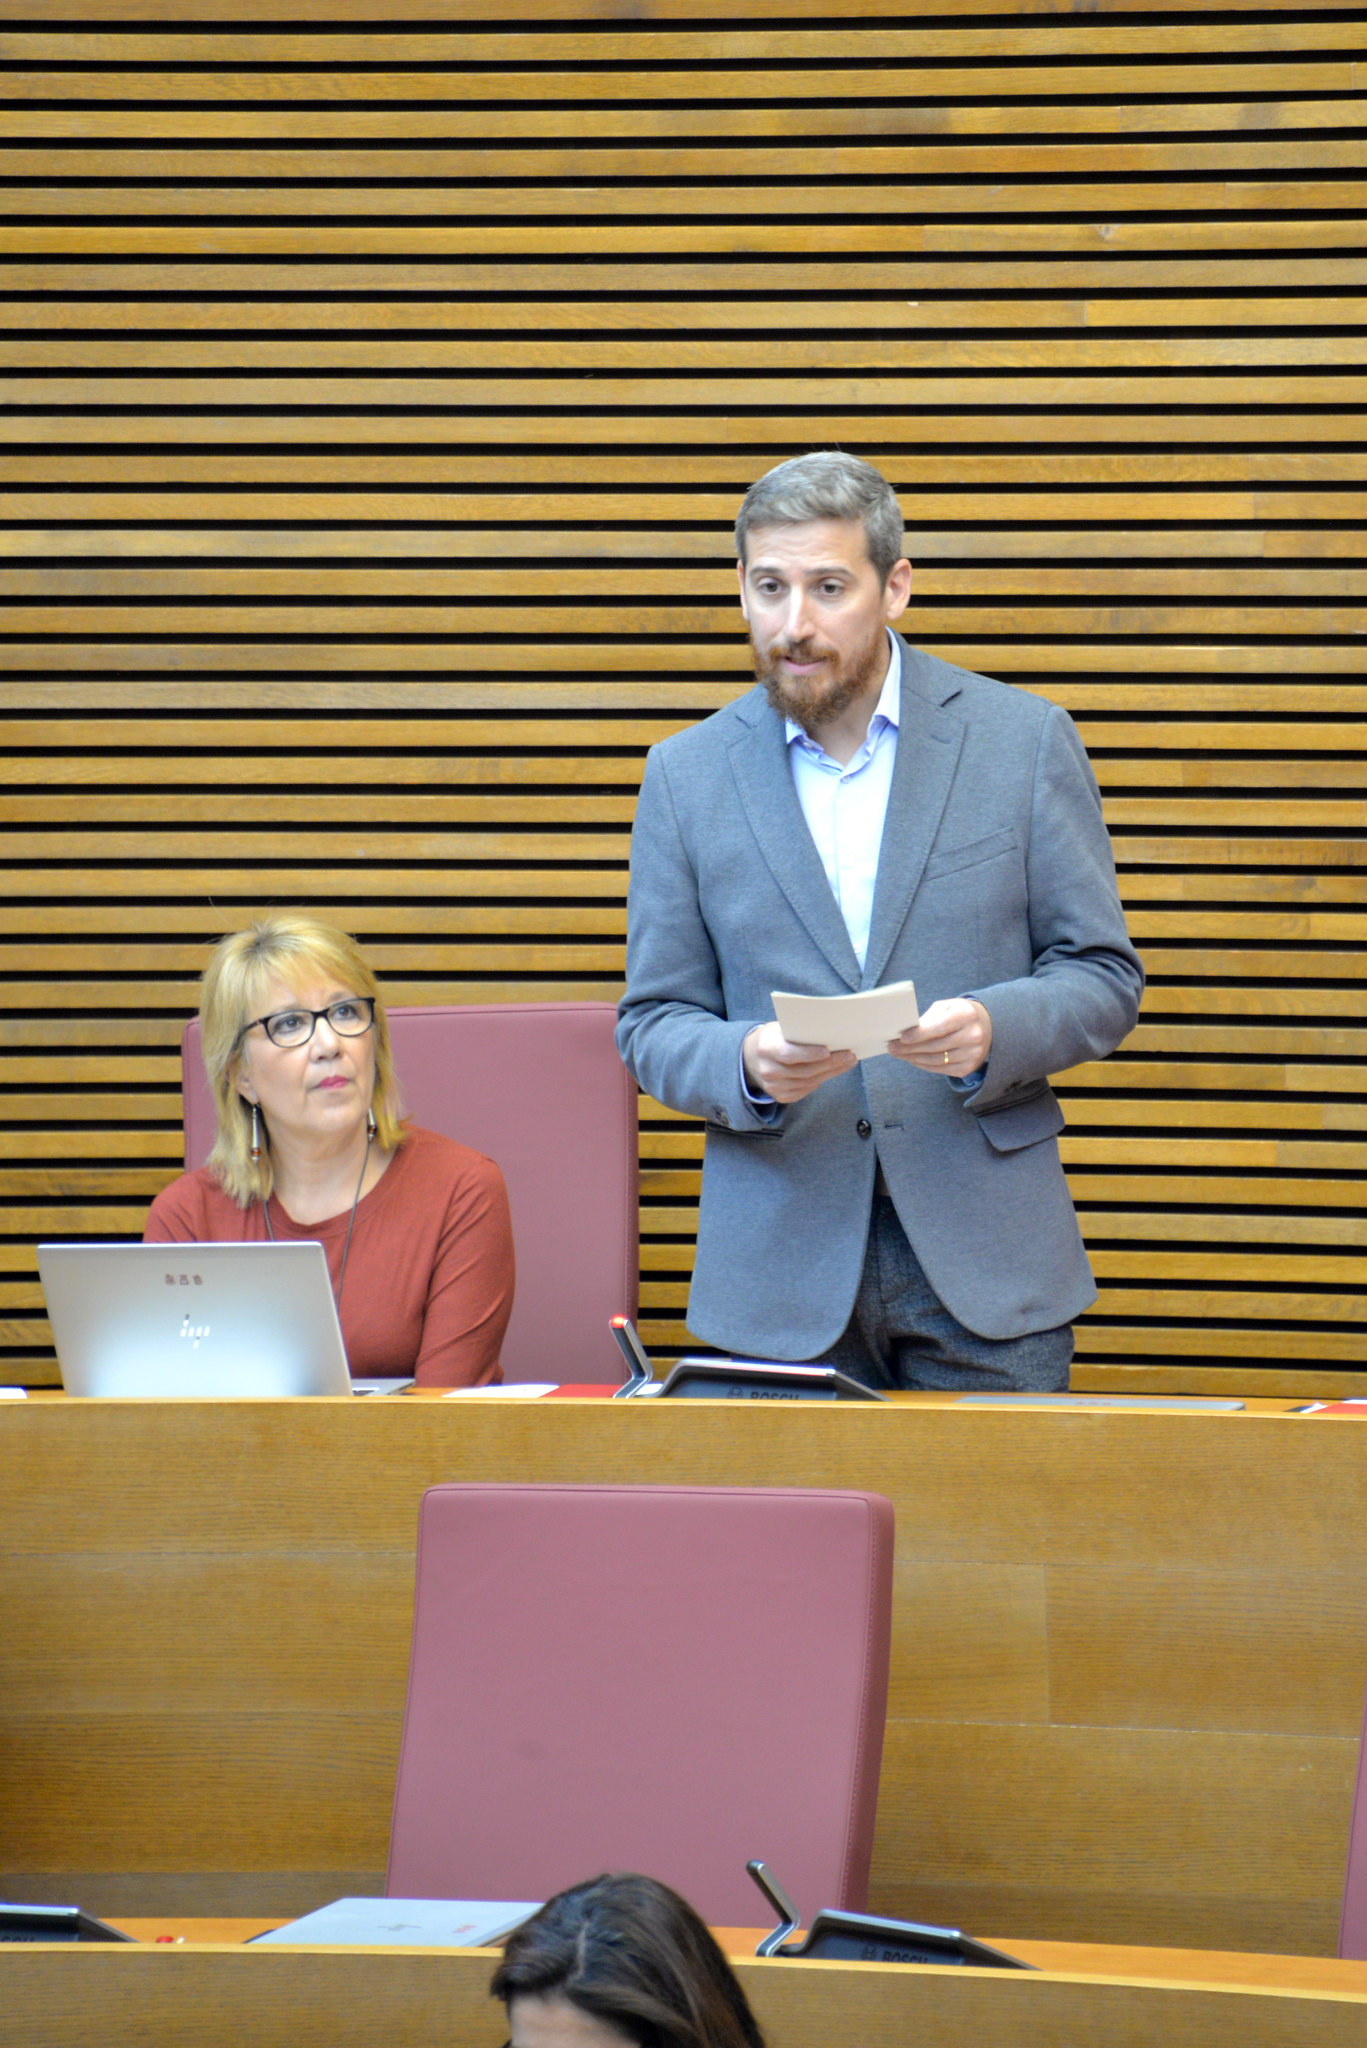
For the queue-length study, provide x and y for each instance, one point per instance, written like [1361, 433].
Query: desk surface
[1127, 1667]
[1073, 1958]
[1253, 1404]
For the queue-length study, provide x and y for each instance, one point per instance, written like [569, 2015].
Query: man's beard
[812, 706]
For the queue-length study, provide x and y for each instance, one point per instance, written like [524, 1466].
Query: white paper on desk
[861, 1024]
[405, 1923]
[518, 1390]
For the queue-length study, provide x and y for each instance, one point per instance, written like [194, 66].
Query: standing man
[869, 814]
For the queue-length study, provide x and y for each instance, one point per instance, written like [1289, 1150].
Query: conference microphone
[864, 1938]
[640, 1371]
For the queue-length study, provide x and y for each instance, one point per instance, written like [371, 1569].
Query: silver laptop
[222, 1320]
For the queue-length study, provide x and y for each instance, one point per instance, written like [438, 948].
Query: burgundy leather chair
[539, 1088]
[669, 1679]
[1353, 1919]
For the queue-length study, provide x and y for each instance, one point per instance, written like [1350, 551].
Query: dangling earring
[256, 1137]
[369, 1126]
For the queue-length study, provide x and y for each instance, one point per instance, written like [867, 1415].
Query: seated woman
[415, 1227]
[620, 1959]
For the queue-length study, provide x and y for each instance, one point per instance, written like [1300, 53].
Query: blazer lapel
[759, 762]
[929, 739]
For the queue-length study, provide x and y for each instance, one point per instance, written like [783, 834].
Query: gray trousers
[902, 1337]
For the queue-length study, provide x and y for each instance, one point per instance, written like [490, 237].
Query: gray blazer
[995, 880]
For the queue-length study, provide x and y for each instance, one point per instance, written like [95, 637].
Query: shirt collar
[886, 712]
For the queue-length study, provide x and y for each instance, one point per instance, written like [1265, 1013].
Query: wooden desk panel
[410, 1998]
[1112, 1718]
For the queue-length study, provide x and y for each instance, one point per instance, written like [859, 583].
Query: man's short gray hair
[826, 485]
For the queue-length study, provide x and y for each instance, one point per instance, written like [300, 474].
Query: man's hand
[787, 1072]
[952, 1038]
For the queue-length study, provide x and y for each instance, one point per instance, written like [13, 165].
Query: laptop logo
[194, 1331]
[184, 1279]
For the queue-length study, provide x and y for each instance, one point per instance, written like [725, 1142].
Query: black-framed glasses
[351, 1017]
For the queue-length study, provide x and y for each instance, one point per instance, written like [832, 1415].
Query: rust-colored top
[429, 1278]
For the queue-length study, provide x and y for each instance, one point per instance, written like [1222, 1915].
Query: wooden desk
[1128, 1657]
[1067, 1958]
[202, 1997]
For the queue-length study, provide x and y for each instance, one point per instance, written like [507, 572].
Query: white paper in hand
[861, 1024]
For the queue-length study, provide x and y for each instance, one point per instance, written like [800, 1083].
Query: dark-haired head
[630, 1955]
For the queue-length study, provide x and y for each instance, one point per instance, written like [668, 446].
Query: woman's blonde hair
[283, 946]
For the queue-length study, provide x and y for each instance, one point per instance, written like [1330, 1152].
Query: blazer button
[719, 1116]
[864, 1127]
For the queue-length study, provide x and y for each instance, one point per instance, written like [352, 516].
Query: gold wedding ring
[946, 1059]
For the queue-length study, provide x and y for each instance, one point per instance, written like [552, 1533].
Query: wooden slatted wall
[379, 380]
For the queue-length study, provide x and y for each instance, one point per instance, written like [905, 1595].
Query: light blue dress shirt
[845, 807]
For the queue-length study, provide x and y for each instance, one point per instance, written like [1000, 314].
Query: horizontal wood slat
[352, 127]
[863, 312]
[1244, 229]
[613, 662]
[653, 91]
[611, 12]
[1220, 351]
[600, 42]
[327, 284]
[375, 395]
[1042, 391]
[928, 622]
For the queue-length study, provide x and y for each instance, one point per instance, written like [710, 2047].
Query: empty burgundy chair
[539, 1088]
[668, 1679]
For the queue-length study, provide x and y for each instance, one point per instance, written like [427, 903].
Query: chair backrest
[656, 1678]
[1353, 1919]
[539, 1088]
